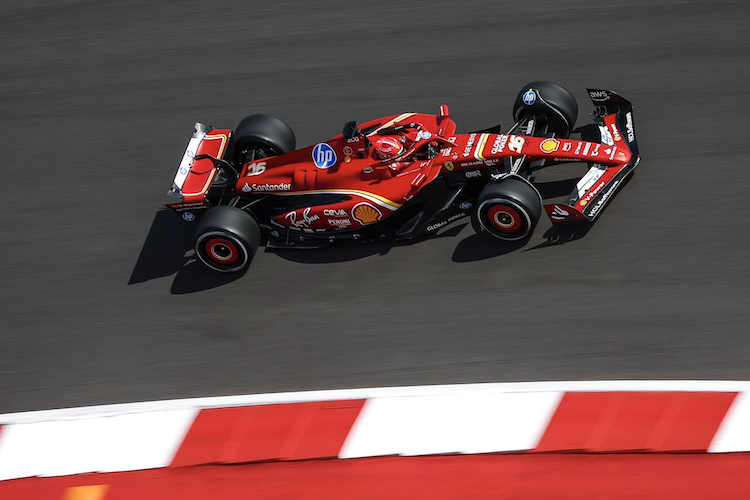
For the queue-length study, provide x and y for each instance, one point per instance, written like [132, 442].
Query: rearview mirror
[350, 130]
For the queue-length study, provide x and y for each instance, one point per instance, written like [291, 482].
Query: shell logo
[364, 213]
[549, 145]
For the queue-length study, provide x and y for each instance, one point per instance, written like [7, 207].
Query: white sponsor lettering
[304, 221]
[567, 146]
[334, 213]
[586, 148]
[340, 222]
[467, 149]
[615, 132]
[599, 95]
[578, 148]
[499, 145]
[590, 195]
[472, 174]
[408, 172]
[438, 225]
[629, 127]
[604, 198]
[266, 187]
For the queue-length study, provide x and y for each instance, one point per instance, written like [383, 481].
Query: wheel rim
[505, 219]
[221, 251]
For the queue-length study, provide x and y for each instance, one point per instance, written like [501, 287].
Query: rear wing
[613, 114]
[196, 170]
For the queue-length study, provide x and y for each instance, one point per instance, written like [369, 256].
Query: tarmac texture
[101, 300]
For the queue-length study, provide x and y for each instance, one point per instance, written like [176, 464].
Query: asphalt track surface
[100, 303]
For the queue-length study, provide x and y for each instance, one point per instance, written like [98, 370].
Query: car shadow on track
[168, 250]
[481, 245]
[344, 252]
[163, 252]
[195, 277]
[559, 235]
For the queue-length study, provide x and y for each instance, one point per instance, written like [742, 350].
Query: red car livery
[398, 177]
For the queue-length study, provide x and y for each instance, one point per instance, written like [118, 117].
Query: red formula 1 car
[399, 177]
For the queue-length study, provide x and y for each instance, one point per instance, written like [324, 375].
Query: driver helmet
[388, 147]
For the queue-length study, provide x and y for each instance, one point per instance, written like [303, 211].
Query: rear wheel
[226, 239]
[509, 210]
[260, 136]
[549, 104]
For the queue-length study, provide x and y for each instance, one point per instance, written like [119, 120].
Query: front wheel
[548, 103]
[509, 210]
[226, 239]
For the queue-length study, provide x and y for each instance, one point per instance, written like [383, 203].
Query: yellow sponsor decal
[364, 213]
[549, 145]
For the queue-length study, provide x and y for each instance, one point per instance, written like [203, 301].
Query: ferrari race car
[399, 177]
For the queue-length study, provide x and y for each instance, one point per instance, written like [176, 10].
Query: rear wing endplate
[199, 133]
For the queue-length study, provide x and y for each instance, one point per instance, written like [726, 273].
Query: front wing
[614, 117]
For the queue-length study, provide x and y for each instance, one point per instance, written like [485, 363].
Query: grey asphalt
[100, 303]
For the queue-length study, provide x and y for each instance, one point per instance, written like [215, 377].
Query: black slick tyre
[260, 136]
[509, 210]
[226, 239]
[548, 103]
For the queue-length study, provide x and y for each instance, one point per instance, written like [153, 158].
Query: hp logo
[529, 97]
[324, 156]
